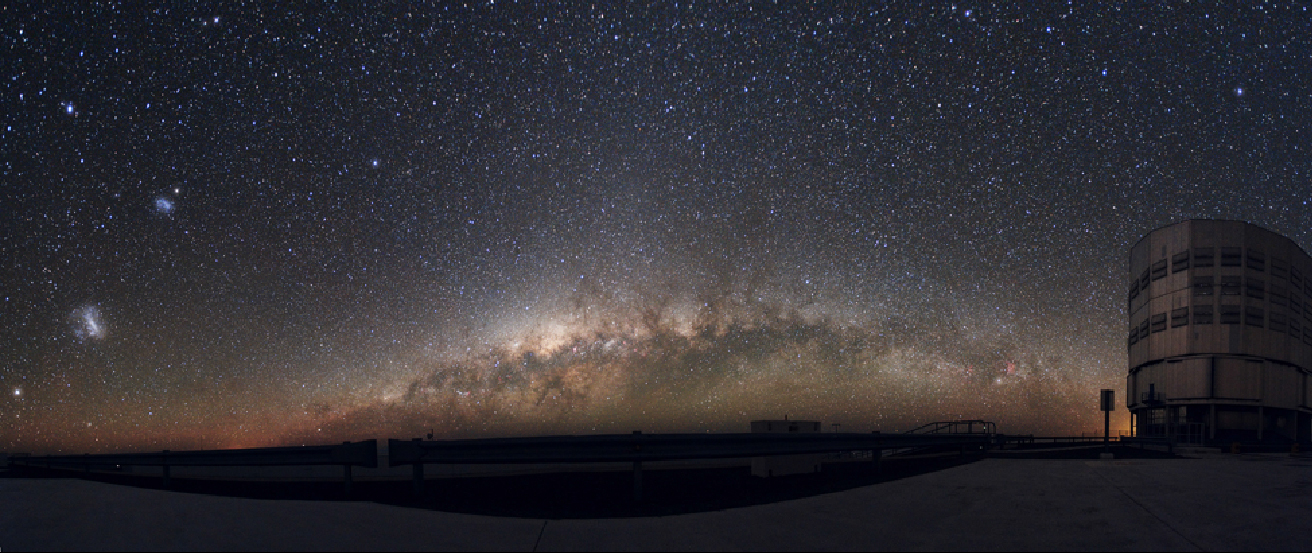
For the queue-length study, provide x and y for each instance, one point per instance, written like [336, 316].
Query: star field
[234, 225]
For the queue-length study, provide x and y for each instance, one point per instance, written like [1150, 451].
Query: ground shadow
[576, 495]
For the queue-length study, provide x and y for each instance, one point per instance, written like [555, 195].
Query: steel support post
[417, 476]
[417, 480]
[1106, 430]
[637, 471]
[1211, 424]
[637, 481]
[168, 481]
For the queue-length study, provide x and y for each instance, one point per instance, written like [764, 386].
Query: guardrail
[633, 448]
[1154, 441]
[637, 448]
[1026, 439]
[348, 454]
[972, 426]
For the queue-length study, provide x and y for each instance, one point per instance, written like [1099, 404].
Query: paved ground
[1219, 502]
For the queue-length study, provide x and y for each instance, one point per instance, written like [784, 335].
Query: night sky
[236, 226]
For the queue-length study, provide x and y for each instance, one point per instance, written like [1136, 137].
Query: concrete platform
[1220, 502]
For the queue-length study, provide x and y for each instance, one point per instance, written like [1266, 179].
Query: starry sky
[234, 225]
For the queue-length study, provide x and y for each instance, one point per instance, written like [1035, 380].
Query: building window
[1279, 322]
[1180, 261]
[1232, 257]
[1256, 260]
[1134, 288]
[1230, 314]
[1203, 257]
[1179, 317]
[1293, 327]
[1202, 314]
[1307, 335]
[1256, 288]
[1296, 278]
[1204, 287]
[1159, 270]
[1254, 316]
[1143, 329]
[1279, 268]
[1279, 296]
[1158, 322]
[1143, 280]
[1296, 305]
[1134, 335]
[1230, 285]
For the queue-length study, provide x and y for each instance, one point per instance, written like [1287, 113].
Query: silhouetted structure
[783, 465]
[1220, 337]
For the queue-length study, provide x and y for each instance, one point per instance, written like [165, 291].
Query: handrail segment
[1031, 439]
[972, 426]
[655, 447]
[634, 448]
[361, 454]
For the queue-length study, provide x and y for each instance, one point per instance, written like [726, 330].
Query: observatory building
[1220, 334]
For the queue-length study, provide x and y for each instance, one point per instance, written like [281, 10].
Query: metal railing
[1145, 442]
[1027, 439]
[347, 454]
[974, 426]
[637, 448]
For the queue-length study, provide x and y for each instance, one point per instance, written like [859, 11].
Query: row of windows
[1207, 286]
[1224, 314]
[1233, 285]
[1229, 257]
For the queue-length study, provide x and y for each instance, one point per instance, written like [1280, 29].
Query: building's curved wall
[1220, 313]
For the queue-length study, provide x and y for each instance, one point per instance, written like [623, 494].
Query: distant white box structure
[782, 465]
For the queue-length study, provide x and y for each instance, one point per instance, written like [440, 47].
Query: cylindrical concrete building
[1220, 337]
